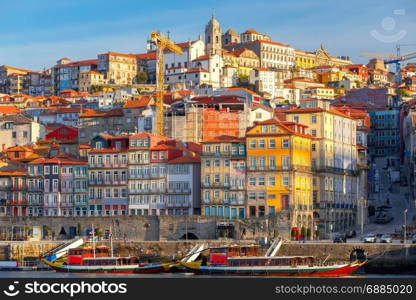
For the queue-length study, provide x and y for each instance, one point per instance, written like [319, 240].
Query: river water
[53, 274]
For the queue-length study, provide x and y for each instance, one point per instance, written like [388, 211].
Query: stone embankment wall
[152, 228]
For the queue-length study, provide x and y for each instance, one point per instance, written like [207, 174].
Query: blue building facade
[385, 134]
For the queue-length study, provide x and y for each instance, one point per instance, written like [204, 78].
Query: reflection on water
[53, 274]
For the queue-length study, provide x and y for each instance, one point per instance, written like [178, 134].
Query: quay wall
[151, 228]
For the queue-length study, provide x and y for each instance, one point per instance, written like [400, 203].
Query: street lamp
[405, 214]
[362, 214]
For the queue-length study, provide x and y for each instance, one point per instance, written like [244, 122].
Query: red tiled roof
[269, 42]
[78, 63]
[225, 138]
[143, 101]
[146, 56]
[60, 159]
[242, 89]
[90, 113]
[107, 150]
[13, 173]
[120, 54]
[286, 125]
[185, 160]
[203, 57]
[17, 69]
[185, 44]
[196, 70]
[9, 109]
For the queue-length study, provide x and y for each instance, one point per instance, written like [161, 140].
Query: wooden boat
[90, 260]
[244, 261]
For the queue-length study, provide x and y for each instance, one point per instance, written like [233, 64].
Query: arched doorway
[189, 236]
[358, 254]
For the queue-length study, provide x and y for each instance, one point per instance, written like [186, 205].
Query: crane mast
[161, 42]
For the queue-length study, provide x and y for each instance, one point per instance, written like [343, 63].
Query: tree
[404, 93]
[303, 232]
[141, 77]
[309, 233]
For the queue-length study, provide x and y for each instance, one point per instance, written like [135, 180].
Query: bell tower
[213, 37]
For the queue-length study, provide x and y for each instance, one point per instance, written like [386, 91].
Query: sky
[34, 34]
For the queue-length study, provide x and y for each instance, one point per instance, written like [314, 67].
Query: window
[285, 180]
[262, 162]
[47, 168]
[313, 132]
[261, 181]
[313, 119]
[252, 144]
[261, 144]
[252, 181]
[272, 162]
[207, 163]
[285, 143]
[217, 163]
[296, 119]
[285, 162]
[272, 143]
[55, 185]
[217, 148]
[313, 147]
[252, 162]
[272, 181]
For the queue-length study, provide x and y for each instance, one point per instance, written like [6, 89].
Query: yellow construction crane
[161, 42]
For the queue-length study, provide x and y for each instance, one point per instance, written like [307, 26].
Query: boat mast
[93, 239]
[111, 241]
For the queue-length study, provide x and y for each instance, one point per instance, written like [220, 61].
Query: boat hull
[130, 269]
[301, 271]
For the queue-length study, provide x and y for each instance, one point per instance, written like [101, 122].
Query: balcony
[80, 175]
[96, 165]
[178, 191]
[18, 187]
[17, 202]
[5, 188]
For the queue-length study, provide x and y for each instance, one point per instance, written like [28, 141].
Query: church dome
[231, 32]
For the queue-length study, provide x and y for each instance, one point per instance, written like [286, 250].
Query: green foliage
[293, 233]
[303, 232]
[78, 229]
[309, 233]
[141, 77]
[404, 93]
[96, 88]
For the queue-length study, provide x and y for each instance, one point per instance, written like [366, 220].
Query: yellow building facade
[334, 164]
[279, 177]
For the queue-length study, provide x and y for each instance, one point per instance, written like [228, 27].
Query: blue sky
[36, 33]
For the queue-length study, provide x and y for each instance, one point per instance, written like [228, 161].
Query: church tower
[213, 36]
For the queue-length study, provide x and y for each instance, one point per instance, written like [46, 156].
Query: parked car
[351, 234]
[414, 239]
[339, 238]
[386, 238]
[369, 238]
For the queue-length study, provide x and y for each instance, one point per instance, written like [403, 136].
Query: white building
[265, 81]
